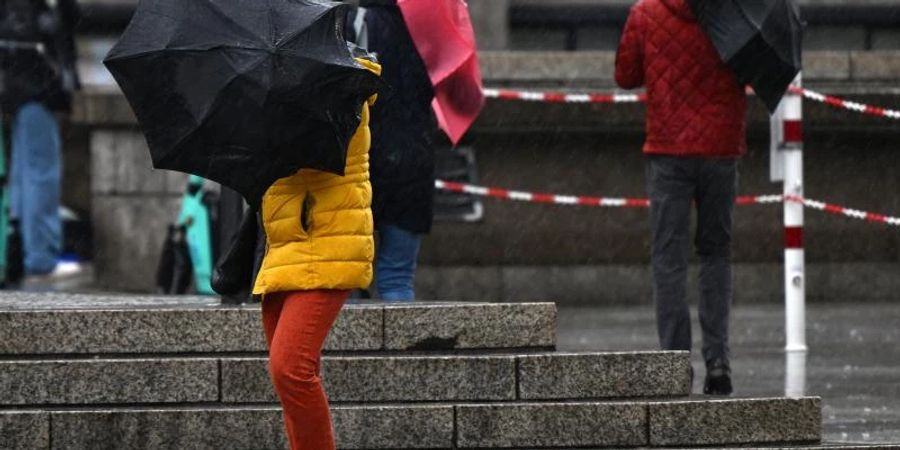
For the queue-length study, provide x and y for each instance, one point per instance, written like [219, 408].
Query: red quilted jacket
[695, 106]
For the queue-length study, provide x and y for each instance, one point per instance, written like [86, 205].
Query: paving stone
[604, 375]
[468, 326]
[551, 425]
[576, 68]
[233, 429]
[826, 65]
[869, 66]
[167, 328]
[109, 381]
[24, 430]
[248, 428]
[385, 379]
[735, 421]
[394, 427]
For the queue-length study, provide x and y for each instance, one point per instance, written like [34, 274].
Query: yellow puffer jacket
[319, 225]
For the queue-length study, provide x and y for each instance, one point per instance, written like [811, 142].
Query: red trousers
[296, 325]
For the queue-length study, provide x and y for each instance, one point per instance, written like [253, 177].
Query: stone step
[357, 379]
[48, 324]
[530, 425]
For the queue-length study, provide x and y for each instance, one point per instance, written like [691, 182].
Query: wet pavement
[853, 362]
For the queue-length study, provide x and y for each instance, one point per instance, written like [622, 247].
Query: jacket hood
[680, 8]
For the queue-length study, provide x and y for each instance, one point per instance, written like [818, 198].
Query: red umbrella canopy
[443, 34]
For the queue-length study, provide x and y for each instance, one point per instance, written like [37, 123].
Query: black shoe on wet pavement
[718, 379]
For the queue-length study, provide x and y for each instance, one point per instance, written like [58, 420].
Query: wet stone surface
[853, 362]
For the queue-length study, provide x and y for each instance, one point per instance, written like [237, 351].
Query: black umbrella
[760, 39]
[242, 92]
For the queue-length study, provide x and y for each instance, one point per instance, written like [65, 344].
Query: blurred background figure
[404, 123]
[403, 142]
[37, 59]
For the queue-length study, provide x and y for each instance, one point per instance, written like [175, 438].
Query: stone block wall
[132, 208]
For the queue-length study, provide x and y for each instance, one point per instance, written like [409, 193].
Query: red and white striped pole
[791, 147]
[794, 260]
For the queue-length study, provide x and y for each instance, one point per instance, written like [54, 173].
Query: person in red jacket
[696, 132]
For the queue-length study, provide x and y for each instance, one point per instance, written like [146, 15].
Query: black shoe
[718, 379]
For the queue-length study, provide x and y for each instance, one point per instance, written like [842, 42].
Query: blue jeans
[395, 264]
[34, 186]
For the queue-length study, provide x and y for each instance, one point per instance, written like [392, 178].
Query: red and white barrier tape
[612, 202]
[561, 97]
[598, 98]
[848, 105]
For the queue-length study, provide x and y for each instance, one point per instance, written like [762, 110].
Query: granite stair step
[621, 424]
[47, 324]
[362, 379]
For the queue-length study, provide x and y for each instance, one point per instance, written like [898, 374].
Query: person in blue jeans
[402, 155]
[34, 186]
[37, 76]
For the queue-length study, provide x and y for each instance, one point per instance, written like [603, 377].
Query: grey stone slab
[469, 326]
[873, 66]
[132, 325]
[121, 161]
[393, 427]
[735, 421]
[551, 425]
[605, 38]
[109, 381]
[558, 67]
[459, 283]
[885, 39]
[232, 429]
[385, 379]
[24, 430]
[376, 427]
[819, 37]
[128, 238]
[604, 375]
[826, 65]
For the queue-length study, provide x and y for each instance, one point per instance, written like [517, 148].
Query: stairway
[106, 372]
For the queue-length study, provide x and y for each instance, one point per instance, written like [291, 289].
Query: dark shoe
[718, 379]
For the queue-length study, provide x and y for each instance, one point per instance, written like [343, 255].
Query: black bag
[233, 275]
[175, 271]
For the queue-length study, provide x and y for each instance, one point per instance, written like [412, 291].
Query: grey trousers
[675, 185]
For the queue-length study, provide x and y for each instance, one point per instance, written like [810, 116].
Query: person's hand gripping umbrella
[242, 92]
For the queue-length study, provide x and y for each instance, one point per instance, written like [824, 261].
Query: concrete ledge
[76, 327]
[604, 375]
[211, 429]
[385, 379]
[416, 427]
[497, 425]
[723, 422]
[25, 430]
[551, 425]
[613, 284]
[476, 378]
[108, 382]
[394, 427]
[838, 72]
[469, 326]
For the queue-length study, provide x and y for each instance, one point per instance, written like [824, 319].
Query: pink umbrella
[443, 34]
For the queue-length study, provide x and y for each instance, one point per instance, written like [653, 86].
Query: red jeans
[296, 325]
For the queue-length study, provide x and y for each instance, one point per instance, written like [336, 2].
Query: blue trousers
[34, 186]
[395, 264]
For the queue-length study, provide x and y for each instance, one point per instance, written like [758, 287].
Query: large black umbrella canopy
[242, 92]
[760, 39]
